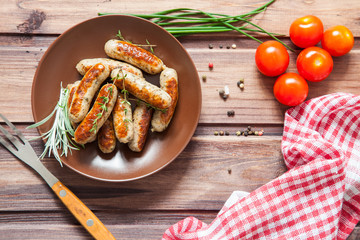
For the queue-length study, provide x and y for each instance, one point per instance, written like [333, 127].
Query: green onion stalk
[187, 21]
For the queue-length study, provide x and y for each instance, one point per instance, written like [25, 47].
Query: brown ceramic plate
[86, 40]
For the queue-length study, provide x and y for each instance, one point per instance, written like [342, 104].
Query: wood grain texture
[53, 16]
[232, 163]
[255, 105]
[145, 208]
[128, 225]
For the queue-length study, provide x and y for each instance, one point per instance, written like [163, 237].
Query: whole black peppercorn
[227, 133]
[230, 113]
[221, 133]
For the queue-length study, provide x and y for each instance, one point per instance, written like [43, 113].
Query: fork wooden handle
[82, 213]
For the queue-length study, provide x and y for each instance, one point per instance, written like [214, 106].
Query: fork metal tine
[11, 138]
[8, 146]
[19, 134]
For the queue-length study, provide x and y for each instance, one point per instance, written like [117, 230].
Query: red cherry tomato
[306, 31]
[271, 58]
[337, 40]
[314, 64]
[291, 89]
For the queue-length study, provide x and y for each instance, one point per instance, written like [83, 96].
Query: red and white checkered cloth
[317, 198]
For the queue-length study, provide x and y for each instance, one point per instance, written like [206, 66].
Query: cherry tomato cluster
[313, 63]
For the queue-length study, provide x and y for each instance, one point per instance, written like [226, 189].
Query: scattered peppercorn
[224, 93]
[227, 133]
[231, 113]
[249, 128]
[221, 46]
[229, 171]
[233, 46]
[246, 133]
[204, 78]
[211, 65]
[221, 133]
[216, 133]
[241, 84]
[228, 47]
[221, 93]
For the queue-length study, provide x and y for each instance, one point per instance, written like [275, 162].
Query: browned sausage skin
[72, 89]
[141, 89]
[101, 110]
[134, 55]
[106, 137]
[141, 120]
[86, 90]
[169, 83]
[84, 65]
[122, 118]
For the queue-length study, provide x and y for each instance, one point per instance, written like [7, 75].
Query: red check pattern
[317, 198]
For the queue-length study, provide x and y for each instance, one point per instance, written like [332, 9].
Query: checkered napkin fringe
[317, 198]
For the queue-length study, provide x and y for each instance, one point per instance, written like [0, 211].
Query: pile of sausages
[111, 117]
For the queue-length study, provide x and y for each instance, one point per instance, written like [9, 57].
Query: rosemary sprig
[195, 21]
[60, 134]
[120, 36]
[123, 91]
[103, 109]
[148, 105]
[151, 46]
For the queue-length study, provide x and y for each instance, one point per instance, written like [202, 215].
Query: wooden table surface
[211, 167]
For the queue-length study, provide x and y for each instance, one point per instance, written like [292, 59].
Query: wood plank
[232, 163]
[53, 16]
[19, 57]
[123, 224]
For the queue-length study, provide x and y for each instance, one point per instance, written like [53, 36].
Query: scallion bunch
[186, 21]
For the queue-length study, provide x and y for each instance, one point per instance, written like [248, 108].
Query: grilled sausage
[122, 118]
[134, 55]
[169, 83]
[72, 88]
[101, 110]
[141, 89]
[86, 90]
[106, 137]
[84, 65]
[141, 120]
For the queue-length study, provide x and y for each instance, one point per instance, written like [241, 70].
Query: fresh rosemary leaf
[58, 138]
